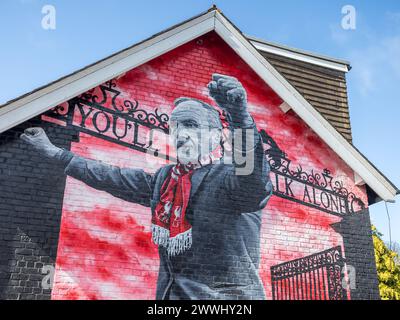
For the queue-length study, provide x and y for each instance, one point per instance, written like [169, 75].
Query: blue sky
[89, 30]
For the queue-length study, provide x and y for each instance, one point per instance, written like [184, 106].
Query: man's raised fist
[228, 93]
[37, 138]
[230, 96]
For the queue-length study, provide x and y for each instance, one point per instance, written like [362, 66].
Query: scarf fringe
[160, 235]
[180, 243]
[175, 245]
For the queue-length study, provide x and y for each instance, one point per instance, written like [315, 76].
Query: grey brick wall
[359, 253]
[31, 195]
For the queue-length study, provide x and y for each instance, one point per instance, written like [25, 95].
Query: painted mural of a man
[206, 218]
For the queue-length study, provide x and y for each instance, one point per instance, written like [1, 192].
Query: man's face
[191, 133]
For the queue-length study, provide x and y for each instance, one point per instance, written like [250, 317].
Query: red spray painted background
[105, 249]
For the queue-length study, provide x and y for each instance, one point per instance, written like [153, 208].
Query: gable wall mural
[136, 224]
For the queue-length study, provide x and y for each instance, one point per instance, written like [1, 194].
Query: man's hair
[213, 115]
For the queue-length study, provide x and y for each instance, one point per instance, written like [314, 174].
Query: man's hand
[37, 138]
[230, 95]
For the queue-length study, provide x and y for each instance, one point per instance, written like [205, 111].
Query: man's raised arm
[249, 181]
[133, 185]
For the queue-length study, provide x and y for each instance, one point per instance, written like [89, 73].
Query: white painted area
[284, 107]
[358, 180]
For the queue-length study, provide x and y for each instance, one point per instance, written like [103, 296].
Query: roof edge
[396, 189]
[354, 159]
[122, 60]
[300, 55]
[212, 8]
[70, 86]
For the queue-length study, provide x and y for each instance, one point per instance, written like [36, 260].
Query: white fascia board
[303, 108]
[300, 57]
[71, 86]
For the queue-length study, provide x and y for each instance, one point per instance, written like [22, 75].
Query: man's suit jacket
[224, 211]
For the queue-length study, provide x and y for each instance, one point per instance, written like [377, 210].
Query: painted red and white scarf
[170, 228]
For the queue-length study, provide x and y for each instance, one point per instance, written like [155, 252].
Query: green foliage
[388, 270]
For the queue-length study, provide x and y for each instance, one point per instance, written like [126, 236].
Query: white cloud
[393, 17]
[391, 48]
[339, 35]
[375, 56]
[376, 63]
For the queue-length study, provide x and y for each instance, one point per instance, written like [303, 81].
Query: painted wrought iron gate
[315, 277]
